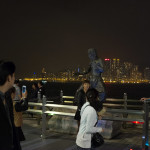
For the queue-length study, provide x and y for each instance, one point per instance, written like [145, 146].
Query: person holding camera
[18, 108]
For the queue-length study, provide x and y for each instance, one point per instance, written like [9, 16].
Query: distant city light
[106, 59]
[115, 71]
[44, 82]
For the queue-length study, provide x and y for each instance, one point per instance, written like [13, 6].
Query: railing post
[125, 108]
[43, 117]
[125, 101]
[39, 96]
[61, 97]
[39, 107]
[145, 142]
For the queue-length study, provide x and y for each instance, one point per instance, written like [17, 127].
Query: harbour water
[113, 90]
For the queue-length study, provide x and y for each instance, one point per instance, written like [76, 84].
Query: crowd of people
[13, 101]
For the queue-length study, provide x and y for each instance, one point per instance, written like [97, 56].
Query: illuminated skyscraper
[107, 69]
[115, 69]
[43, 73]
[147, 73]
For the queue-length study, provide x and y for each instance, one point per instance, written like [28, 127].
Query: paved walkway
[129, 139]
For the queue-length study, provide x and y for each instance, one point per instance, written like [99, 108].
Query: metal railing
[145, 113]
[119, 103]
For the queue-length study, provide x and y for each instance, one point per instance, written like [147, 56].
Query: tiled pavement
[129, 139]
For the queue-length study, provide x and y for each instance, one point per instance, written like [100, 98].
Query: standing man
[41, 89]
[81, 99]
[7, 78]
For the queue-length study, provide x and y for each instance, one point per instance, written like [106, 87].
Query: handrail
[144, 113]
[69, 97]
[108, 99]
[61, 106]
[75, 107]
[123, 119]
[125, 111]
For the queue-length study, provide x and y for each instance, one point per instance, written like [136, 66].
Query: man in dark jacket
[81, 99]
[41, 89]
[16, 142]
[7, 78]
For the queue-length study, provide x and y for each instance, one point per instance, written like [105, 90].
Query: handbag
[97, 140]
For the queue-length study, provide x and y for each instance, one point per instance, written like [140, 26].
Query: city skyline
[115, 70]
[57, 34]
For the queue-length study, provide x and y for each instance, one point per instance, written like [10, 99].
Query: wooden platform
[130, 138]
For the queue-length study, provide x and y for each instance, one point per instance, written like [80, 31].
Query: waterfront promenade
[129, 139]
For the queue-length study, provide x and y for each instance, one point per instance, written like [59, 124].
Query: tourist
[7, 78]
[88, 120]
[41, 89]
[81, 99]
[18, 108]
[33, 97]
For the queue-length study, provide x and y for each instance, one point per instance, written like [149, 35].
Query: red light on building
[137, 122]
[107, 59]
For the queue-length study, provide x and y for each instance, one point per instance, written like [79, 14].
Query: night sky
[56, 34]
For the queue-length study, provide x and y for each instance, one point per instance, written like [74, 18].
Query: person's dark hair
[17, 81]
[6, 68]
[86, 81]
[41, 83]
[35, 84]
[92, 97]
